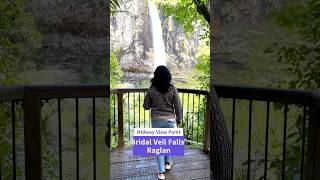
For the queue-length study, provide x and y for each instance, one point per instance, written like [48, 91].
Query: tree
[189, 13]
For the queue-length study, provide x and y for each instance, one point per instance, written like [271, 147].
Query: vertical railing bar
[77, 137]
[205, 114]
[114, 113]
[139, 108]
[134, 110]
[114, 133]
[267, 143]
[182, 109]
[303, 141]
[129, 114]
[144, 112]
[108, 135]
[284, 142]
[188, 117]
[150, 118]
[13, 121]
[198, 118]
[94, 136]
[232, 132]
[60, 143]
[249, 140]
[192, 120]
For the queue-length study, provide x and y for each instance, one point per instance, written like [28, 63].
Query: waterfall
[159, 53]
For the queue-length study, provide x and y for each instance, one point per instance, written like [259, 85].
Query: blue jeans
[163, 124]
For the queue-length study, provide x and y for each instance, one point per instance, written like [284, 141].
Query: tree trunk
[220, 144]
[203, 10]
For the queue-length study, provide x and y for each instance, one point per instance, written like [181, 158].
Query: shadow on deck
[194, 165]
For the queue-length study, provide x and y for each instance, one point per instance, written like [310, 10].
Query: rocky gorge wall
[131, 40]
[241, 31]
[75, 40]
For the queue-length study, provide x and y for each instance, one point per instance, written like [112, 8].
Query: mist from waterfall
[159, 53]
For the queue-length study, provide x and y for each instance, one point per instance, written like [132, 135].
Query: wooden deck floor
[194, 165]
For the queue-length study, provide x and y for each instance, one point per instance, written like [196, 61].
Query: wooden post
[32, 138]
[120, 120]
[313, 151]
[206, 139]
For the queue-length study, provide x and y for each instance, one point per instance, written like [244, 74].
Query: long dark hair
[161, 79]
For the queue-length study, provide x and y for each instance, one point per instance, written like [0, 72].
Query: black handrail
[292, 96]
[31, 97]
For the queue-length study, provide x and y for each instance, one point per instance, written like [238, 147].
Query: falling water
[159, 53]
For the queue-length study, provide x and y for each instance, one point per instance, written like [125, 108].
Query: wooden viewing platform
[123, 165]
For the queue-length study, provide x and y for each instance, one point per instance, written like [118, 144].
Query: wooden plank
[32, 138]
[128, 166]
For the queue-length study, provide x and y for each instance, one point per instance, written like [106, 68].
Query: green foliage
[115, 71]
[200, 77]
[115, 5]
[302, 57]
[185, 13]
[19, 40]
[303, 61]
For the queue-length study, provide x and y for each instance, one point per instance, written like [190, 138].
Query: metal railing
[305, 102]
[32, 98]
[128, 113]
[129, 101]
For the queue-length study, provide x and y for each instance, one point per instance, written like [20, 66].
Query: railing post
[120, 120]
[32, 138]
[206, 139]
[313, 150]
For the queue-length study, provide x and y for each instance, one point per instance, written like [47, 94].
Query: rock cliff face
[131, 40]
[74, 39]
[238, 25]
[181, 49]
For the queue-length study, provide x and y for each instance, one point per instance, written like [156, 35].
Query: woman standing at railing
[163, 100]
